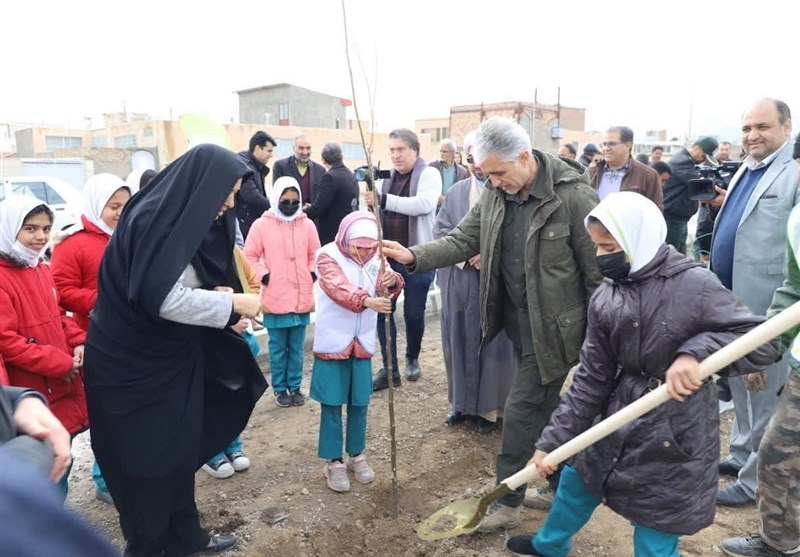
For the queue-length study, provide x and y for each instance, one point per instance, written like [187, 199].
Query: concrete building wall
[537, 120]
[303, 107]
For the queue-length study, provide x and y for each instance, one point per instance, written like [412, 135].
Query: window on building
[148, 132]
[125, 141]
[53, 142]
[283, 114]
[99, 141]
[352, 151]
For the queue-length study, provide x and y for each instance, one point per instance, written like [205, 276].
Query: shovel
[464, 517]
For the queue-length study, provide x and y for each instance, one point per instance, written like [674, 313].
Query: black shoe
[733, 496]
[412, 369]
[483, 425]
[380, 381]
[521, 545]
[752, 546]
[218, 544]
[298, 398]
[454, 418]
[103, 495]
[728, 468]
[284, 399]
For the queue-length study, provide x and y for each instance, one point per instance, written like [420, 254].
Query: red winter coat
[75, 262]
[36, 341]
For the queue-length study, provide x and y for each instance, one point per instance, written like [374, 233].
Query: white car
[65, 201]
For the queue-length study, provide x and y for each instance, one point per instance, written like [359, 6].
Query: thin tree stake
[375, 211]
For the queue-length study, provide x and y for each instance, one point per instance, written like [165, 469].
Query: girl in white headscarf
[354, 289]
[280, 246]
[76, 260]
[77, 254]
[652, 322]
[42, 349]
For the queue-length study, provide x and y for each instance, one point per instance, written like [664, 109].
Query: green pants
[527, 411]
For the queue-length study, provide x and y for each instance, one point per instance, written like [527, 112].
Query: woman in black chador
[168, 383]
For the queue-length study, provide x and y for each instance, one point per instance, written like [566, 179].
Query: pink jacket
[285, 251]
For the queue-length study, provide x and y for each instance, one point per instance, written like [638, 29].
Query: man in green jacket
[538, 272]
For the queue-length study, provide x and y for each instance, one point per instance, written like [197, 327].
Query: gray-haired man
[538, 272]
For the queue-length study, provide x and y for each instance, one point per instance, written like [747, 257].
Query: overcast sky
[641, 64]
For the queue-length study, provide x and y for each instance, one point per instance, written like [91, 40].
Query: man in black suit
[336, 197]
[300, 167]
[252, 198]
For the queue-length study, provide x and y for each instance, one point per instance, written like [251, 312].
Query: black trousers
[158, 516]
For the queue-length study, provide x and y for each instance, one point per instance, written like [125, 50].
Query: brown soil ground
[436, 465]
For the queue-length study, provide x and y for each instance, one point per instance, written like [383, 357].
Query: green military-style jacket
[561, 271]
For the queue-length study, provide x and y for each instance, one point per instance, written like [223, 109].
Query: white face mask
[27, 255]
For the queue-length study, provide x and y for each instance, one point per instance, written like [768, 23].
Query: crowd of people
[141, 324]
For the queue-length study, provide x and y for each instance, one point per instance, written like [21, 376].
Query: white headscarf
[96, 193]
[281, 185]
[12, 216]
[135, 178]
[635, 223]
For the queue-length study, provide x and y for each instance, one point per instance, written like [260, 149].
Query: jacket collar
[666, 263]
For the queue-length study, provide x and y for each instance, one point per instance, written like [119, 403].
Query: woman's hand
[381, 305]
[247, 305]
[32, 417]
[241, 326]
[682, 377]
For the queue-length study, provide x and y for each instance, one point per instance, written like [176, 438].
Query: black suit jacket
[288, 167]
[337, 196]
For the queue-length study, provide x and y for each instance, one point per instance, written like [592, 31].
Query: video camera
[702, 187]
[362, 174]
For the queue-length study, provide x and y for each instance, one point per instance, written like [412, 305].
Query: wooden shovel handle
[745, 344]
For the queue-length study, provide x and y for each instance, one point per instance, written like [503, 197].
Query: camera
[702, 187]
[362, 174]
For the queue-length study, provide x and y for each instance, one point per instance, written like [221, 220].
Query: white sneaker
[361, 469]
[239, 461]
[220, 469]
[336, 474]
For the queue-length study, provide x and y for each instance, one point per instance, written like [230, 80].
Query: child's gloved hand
[682, 377]
[538, 461]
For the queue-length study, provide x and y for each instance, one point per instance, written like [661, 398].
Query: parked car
[65, 201]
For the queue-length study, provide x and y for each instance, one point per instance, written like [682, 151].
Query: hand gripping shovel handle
[745, 344]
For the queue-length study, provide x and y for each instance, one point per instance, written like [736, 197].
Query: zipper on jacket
[360, 313]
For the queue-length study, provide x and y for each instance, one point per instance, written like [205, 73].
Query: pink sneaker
[361, 469]
[336, 474]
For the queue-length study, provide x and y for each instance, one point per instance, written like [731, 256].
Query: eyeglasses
[470, 159]
[290, 202]
[610, 144]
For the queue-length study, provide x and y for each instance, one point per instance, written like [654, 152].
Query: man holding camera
[337, 195]
[408, 208]
[678, 206]
[748, 256]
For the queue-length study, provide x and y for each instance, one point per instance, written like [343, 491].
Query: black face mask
[289, 207]
[613, 265]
